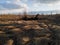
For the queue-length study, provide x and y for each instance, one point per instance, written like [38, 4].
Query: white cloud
[11, 11]
[46, 1]
[36, 6]
[10, 6]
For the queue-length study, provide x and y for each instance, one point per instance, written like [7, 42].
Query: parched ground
[44, 31]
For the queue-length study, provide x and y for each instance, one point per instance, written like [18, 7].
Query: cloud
[45, 7]
[46, 1]
[11, 11]
[11, 6]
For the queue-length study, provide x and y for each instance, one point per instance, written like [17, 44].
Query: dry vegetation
[30, 29]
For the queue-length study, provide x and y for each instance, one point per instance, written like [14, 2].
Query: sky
[15, 6]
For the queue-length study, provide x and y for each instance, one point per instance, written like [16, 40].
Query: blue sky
[10, 6]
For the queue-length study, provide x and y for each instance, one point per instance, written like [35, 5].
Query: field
[30, 29]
